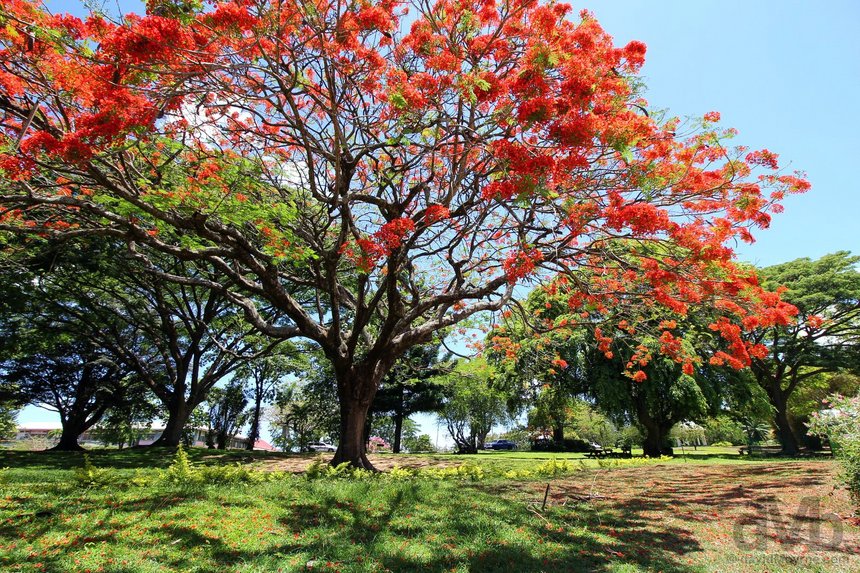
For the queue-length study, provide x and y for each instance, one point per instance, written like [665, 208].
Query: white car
[321, 447]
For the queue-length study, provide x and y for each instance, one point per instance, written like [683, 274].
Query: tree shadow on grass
[485, 536]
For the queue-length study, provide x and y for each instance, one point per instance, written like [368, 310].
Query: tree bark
[784, 431]
[656, 444]
[558, 434]
[69, 440]
[254, 430]
[657, 429]
[352, 448]
[398, 428]
[356, 388]
[177, 417]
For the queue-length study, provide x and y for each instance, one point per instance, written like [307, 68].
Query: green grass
[671, 517]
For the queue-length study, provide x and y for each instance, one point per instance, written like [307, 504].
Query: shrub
[722, 444]
[849, 457]
[465, 471]
[320, 469]
[180, 471]
[234, 473]
[567, 445]
[90, 476]
[840, 423]
[553, 467]
[630, 462]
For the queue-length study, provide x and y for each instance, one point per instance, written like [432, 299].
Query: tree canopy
[375, 176]
[824, 338]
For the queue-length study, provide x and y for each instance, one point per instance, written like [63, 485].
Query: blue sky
[785, 73]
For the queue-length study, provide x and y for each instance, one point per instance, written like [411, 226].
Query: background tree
[551, 413]
[8, 420]
[724, 428]
[421, 443]
[409, 388]
[386, 427]
[178, 339]
[472, 406]
[824, 338]
[590, 424]
[71, 378]
[128, 420]
[657, 370]
[809, 397]
[541, 369]
[374, 178]
[187, 338]
[264, 376]
[300, 417]
[227, 412]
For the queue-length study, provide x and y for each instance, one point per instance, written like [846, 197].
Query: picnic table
[599, 452]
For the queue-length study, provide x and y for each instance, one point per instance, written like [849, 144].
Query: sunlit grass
[668, 516]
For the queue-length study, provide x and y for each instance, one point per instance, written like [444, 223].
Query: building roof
[264, 445]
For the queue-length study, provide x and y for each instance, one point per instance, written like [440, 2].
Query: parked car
[321, 447]
[500, 445]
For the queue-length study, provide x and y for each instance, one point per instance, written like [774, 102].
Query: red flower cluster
[381, 244]
[520, 264]
[392, 233]
[436, 212]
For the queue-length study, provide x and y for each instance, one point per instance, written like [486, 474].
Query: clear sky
[785, 73]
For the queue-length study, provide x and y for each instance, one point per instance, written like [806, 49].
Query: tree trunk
[69, 439]
[177, 417]
[352, 447]
[558, 434]
[784, 432]
[656, 441]
[398, 428]
[74, 424]
[254, 430]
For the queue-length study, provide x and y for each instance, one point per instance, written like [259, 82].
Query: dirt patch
[733, 512]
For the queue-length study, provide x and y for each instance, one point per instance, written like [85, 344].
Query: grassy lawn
[710, 513]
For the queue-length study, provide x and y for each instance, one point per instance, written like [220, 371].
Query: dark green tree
[66, 376]
[472, 404]
[227, 413]
[824, 338]
[178, 338]
[262, 378]
[8, 419]
[410, 387]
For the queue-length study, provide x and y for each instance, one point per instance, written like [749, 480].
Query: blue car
[500, 445]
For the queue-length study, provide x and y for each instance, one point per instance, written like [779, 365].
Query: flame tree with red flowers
[377, 171]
